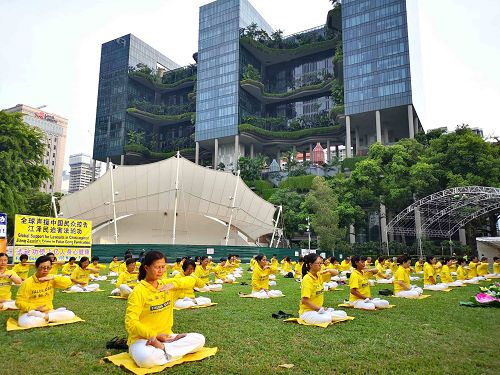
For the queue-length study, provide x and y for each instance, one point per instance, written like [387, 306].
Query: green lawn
[431, 336]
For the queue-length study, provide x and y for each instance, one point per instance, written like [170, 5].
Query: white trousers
[412, 293]
[267, 294]
[414, 278]
[215, 287]
[9, 305]
[370, 304]
[230, 279]
[385, 281]
[113, 274]
[439, 286]
[272, 283]
[87, 288]
[125, 290]
[330, 285]
[272, 277]
[35, 318]
[329, 315]
[455, 283]
[97, 278]
[186, 303]
[147, 356]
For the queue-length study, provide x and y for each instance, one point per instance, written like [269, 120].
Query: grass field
[431, 336]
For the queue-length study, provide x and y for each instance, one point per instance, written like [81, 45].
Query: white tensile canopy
[145, 202]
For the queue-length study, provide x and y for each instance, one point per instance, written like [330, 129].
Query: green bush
[267, 193]
[288, 134]
[299, 183]
[351, 162]
[181, 117]
[288, 93]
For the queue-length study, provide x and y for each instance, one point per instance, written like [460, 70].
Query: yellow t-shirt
[68, 269]
[189, 283]
[312, 288]
[401, 275]
[287, 267]
[127, 278]
[22, 270]
[472, 270]
[149, 311]
[359, 281]
[482, 268]
[345, 266]
[114, 266]
[381, 272]
[203, 273]
[260, 277]
[6, 285]
[394, 267]
[97, 267]
[33, 293]
[55, 269]
[429, 271]
[220, 272]
[496, 267]
[446, 274]
[418, 267]
[252, 262]
[453, 267]
[461, 273]
[123, 267]
[298, 270]
[177, 267]
[80, 275]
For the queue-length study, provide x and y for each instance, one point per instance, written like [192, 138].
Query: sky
[50, 53]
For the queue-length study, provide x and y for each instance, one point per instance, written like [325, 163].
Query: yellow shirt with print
[6, 285]
[80, 275]
[68, 269]
[127, 278]
[401, 275]
[22, 270]
[150, 311]
[461, 273]
[359, 281]
[34, 293]
[260, 277]
[55, 269]
[220, 272]
[312, 288]
[97, 266]
[345, 266]
[287, 267]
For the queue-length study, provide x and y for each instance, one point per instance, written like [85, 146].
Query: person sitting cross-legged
[359, 288]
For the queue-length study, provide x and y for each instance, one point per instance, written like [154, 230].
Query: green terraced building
[253, 91]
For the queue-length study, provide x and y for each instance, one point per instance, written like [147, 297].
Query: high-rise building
[344, 84]
[55, 129]
[82, 171]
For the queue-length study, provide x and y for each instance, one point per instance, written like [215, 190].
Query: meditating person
[472, 271]
[69, 267]
[252, 263]
[123, 266]
[419, 266]
[114, 267]
[234, 267]
[149, 317]
[430, 281]
[186, 297]
[95, 276]
[346, 265]
[368, 262]
[221, 273]
[496, 266]
[327, 272]
[127, 280]
[36, 294]
[381, 276]
[298, 269]
[203, 272]
[359, 288]
[177, 266]
[462, 272]
[402, 286]
[81, 277]
[446, 274]
[22, 268]
[7, 277]
[260, 278]
[287, 267]
[311, 308]
[56, 266]
[483, 268]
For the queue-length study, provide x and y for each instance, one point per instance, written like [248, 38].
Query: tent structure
[171, 201]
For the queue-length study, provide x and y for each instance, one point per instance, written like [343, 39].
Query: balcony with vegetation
[161, 81]
[162, 114]
[275, 48]
[308, 85]
[140, 148]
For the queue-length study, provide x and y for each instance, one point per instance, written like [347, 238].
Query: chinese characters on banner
[37, 235]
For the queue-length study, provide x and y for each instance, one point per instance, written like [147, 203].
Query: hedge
[297, 134]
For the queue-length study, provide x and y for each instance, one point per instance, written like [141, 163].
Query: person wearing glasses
[7, 277]
[311, 308]
[36, 295]
[149, 317]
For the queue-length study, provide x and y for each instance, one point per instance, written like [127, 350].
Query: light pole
[113, 193]
[309, 234]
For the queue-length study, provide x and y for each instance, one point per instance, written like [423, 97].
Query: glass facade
[376, 55]
[218, 78]
[115, 90]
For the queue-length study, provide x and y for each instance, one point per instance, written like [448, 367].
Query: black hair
[48, 254]
[380, 259]
[430, 258]
[5, 255]
[259, 257]
[495, 259]
[222, 259]
[461, 261]
[149, 259]
[363, 257]
[72, 258]
[403, 259]
[333, 260]
[354, 260]
[82, 259]
[483, 259]
[202, 258]
[178, 260]
[274, 255]
[308, 260]
[188, 263]
[474, 257]
[23, 256]
[94, 258]
[42, 259]
[115, 256]
[129, 261]
[301, 258]
[445, 260]
[128, 256]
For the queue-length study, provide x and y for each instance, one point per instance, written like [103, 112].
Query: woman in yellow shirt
[149, 317]
[359, 288]
[419, 266]
[36, 294]
[127, 280]
[7, 277]
[81, 277]
[496, 266]
[203, 272]
[260, 278]
[483, 268]
[222, 274]
[446, 274]
[186, 297]
[326, 275]
[346, 264]
[114, 267]
[22, 268]
[380, 276]
[402, 286]
[69, 267]
[430, 281]
[95, 276]
[298, 269]
[311, 308]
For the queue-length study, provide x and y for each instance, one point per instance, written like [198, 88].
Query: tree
[40, 204]
[22, 150]
[293, 215]
[251, 168]
[250, 72]
[322, 204]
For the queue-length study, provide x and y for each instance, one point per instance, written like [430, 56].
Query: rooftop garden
[151, 147]
[162, 79]
[162, 119]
